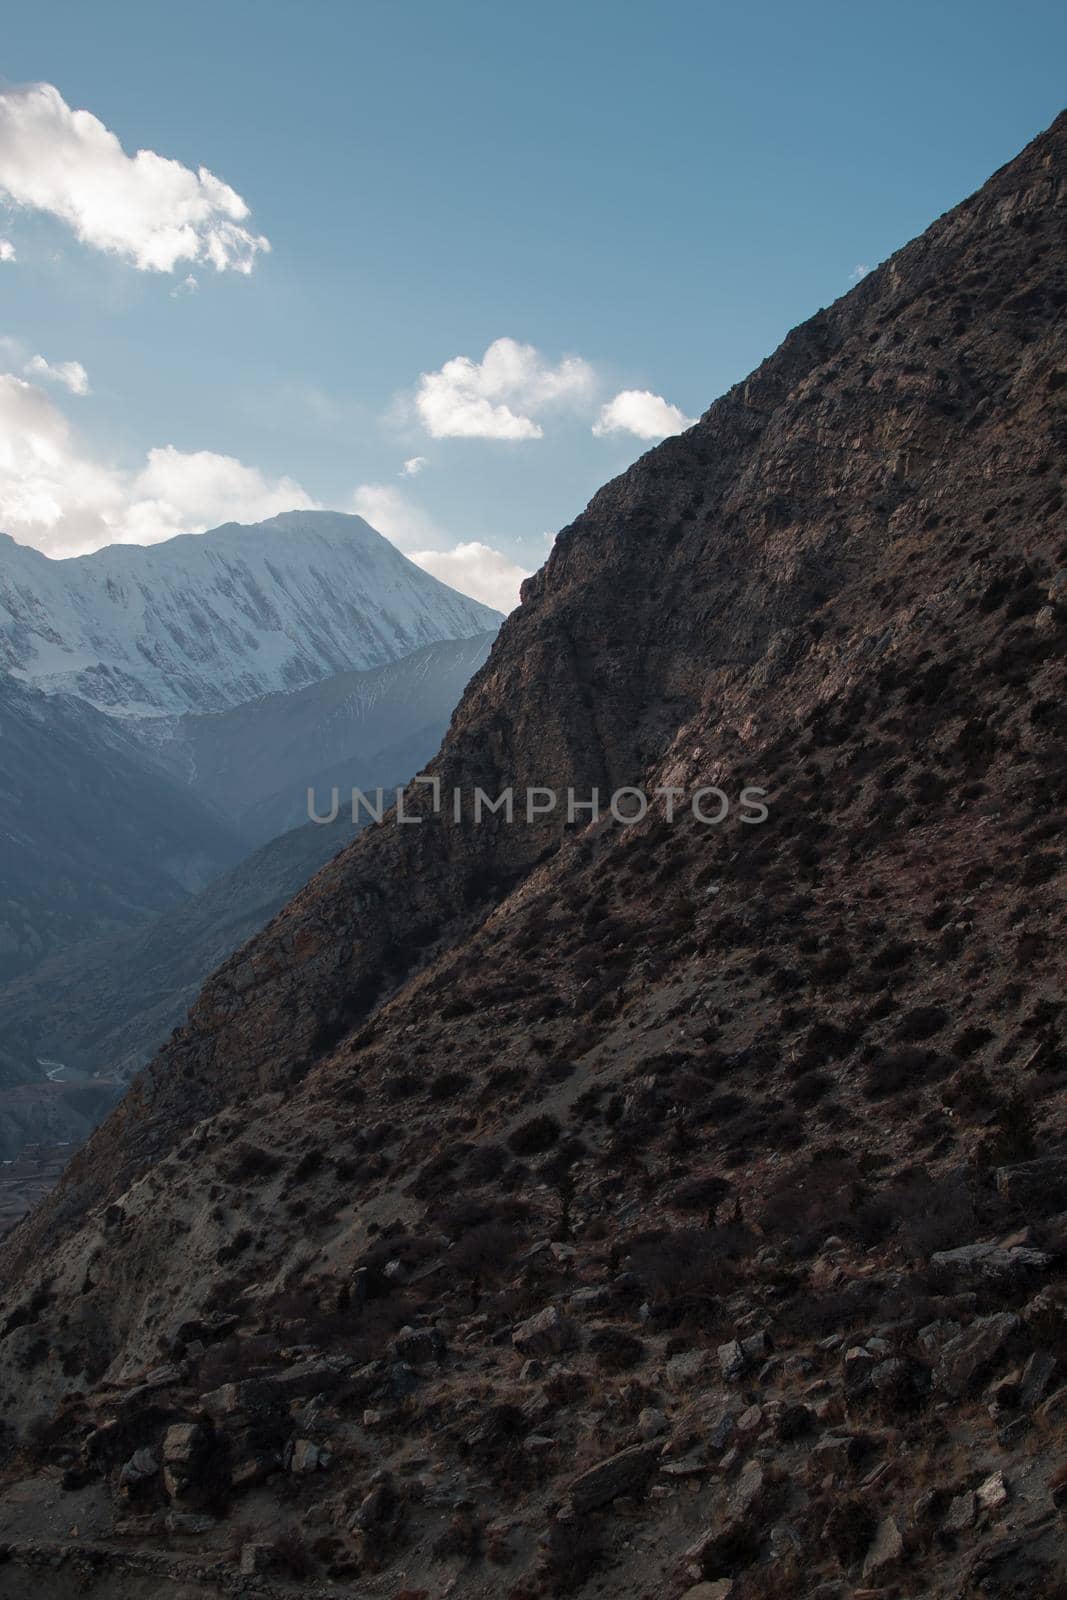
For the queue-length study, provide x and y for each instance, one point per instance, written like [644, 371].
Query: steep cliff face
[843, 585]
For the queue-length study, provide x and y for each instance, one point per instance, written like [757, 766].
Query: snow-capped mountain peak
[206, 621]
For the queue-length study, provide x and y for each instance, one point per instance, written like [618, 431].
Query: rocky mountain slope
[95, 836]
[563, 1207]
[206, 621]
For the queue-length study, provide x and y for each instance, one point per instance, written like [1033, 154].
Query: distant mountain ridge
[162, 713]
[256, 762]
[94, 836]
[207, 621]
[109, 1002]
[106, 1002]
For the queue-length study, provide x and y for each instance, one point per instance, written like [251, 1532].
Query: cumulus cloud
[187, 491]
[475, 569]
[54, 495]
[391, 512]
[413, 466]
[499, 396]
[148, 209]
[640, 412]
[7, 250]
[472, 568]
[859, 271]
[70, 374]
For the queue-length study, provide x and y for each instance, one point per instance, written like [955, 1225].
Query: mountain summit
[206, 621]
[532, 1200]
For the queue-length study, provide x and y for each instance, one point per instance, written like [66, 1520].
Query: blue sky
[658, 193]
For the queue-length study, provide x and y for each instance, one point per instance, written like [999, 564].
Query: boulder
[899, 1382]
[744, 1513]
[974, 1265]
[757, 1347]
[886, 1550]
[417, 1345]
[732, 1360]
[935, 1335]
[747, 1499]
[186, 1446]
[141, 1465]
[624, 1473]
[693, 1465]
[967, 1357]
[992, 1493]
[961, 1514]
[750, 1421]
[591, 1298]
[307, 1457]
[222, 1402]
[722, 1431]
[858, 1365]
[311, 1376]
[547, 1333]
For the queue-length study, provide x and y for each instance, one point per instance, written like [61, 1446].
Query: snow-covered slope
[207, 621]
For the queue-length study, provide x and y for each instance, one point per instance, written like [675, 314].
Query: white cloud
[640, 412]
[413, 466]
[145, 208]
[187, 491]
[7, 250]
[497, 397]
[189, 285]
[858, 272]
[475, 569]
[71, 374]
[391, 512]
[472, 568]
[55, 496]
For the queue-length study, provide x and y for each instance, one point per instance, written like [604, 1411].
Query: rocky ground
[661, 1210]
